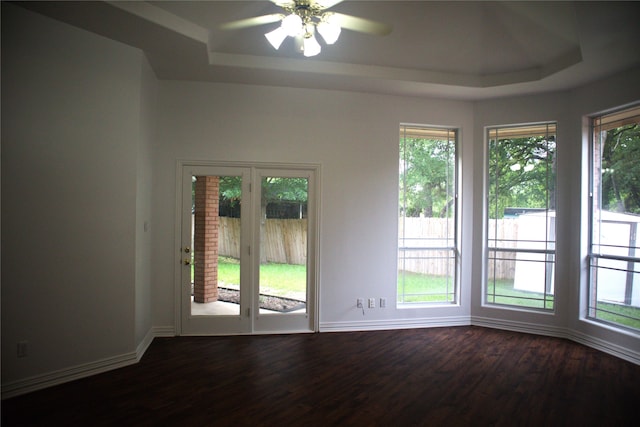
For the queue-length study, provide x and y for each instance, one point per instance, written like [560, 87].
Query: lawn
[284, 280]
[428, 288]
[502, 292]
[424, 288]
[289, 280]
[618, 313]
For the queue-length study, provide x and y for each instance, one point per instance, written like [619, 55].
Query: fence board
[285, 240]
[286, 243]
[425, 232]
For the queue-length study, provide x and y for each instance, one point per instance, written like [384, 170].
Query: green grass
[618, 313]
[502, 292]
[285, 280]
[427, 288]
[424, 288]
[290, 281]
[229, 272]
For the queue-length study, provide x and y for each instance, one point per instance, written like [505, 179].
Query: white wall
[148, 86]
[355, 139]
[71, 107]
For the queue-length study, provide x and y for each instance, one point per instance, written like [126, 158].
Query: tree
[522, 173]
[274, 190]
[427, 168]
[621, 169]
[277, 189]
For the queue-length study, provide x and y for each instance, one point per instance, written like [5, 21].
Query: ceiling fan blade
[362, 25]
[283, 3]
[326, 4]
[251, 22]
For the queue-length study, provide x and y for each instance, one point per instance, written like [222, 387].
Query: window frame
[436, 130]
[514, 130]
[607, 120]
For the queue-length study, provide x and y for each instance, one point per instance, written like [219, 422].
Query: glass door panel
[282, 299]
[214, 298]
[283, 245]
[215, 272]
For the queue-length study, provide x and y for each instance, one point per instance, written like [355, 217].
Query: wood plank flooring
[461, 376]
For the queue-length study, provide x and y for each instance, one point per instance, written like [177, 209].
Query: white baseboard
[606, 347]
[510, 325]
[144, 344]
[553, 331]
[373, 325]
[61, 376]
[164, 331]
[513, 325]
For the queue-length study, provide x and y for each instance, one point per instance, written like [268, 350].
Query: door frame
[313, 237]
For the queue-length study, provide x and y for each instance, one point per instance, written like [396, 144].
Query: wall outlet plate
[23, 349]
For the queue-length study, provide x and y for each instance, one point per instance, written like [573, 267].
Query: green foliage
[521, 173]
[427, 177]
[621, 169]
[231, 188]
[276, 189]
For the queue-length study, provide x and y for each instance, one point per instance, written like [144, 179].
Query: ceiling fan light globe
[276, 37]
[292, 25]
[329, 31]
[311, 47]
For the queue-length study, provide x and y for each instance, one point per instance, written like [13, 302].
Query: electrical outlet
[359, 303]
[22, 348]
[383, 302]
[372, 303]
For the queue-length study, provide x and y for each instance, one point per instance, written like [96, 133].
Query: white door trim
[313, 232]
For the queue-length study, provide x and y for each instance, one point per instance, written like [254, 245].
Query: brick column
[207, 223]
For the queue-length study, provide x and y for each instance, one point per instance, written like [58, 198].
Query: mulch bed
[269, 302]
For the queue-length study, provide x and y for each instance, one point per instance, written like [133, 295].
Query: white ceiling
[462, 50]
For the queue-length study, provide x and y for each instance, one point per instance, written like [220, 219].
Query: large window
[427, 242]
[614, 258]
[520, 244]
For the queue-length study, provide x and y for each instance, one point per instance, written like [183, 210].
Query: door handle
[186, 261]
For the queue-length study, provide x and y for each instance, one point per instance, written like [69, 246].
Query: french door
[247, 249]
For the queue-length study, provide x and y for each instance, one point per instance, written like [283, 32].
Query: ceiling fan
[302, 18]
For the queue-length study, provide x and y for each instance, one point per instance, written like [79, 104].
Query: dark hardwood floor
[462, 376]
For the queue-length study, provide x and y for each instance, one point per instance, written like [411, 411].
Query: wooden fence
[285, 240]
[432, 232]
[286, 243]
[504, 267]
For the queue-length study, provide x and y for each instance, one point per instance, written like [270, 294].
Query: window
[521, 216]
[427, 242]
[614, 258]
